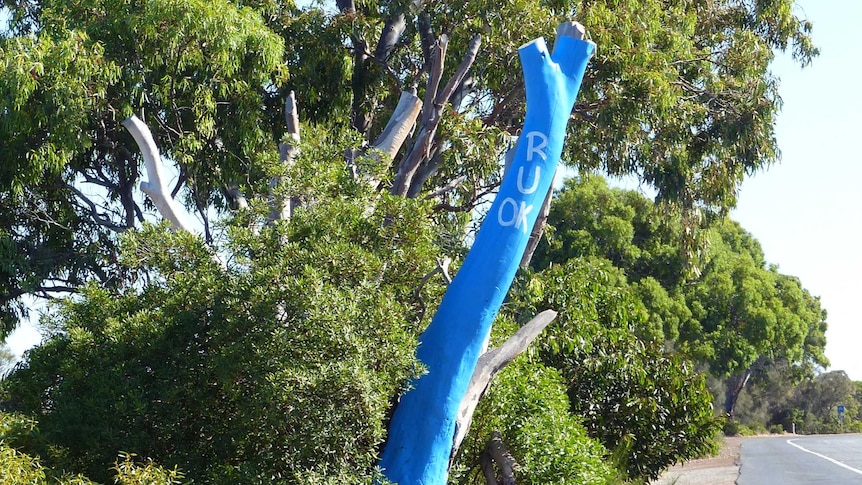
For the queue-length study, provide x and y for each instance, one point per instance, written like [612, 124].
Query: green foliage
[686, 98]
[16, 468]
[69, 74]
[279, 367]
[650, 407]
[734, 314]
[130, 473]
[679, 94]
[527, 403]
[746, 311]
[589, 218]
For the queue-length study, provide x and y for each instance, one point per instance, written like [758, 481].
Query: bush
[281, 369]
[651, 408]
[776, 429]
[527, 403]
[731, 427]
[20, 468]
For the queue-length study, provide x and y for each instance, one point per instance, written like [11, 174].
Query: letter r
[533, 148]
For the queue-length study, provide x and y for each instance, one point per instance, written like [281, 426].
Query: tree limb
[426, 35]
[446, 188]
[399, 126]
[156, 187]
[538, 229]
[432, 111]
[98, 217]
[389, 37]
[489, 365]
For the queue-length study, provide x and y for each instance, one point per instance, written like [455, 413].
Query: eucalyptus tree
[748, 314]
[735, 314]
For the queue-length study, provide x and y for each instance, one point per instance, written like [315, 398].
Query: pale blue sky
[806, 211]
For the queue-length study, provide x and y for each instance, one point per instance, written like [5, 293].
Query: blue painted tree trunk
[422, 428]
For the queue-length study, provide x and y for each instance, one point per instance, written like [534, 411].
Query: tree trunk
[422, 428]
[496, 452]
[735, 384]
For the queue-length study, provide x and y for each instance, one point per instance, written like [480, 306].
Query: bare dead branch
[399, 126]
[281, 210]
[472, 51]
[538, 229]
[489, 365]
[156, 187]
[431, 112]
[443, 269]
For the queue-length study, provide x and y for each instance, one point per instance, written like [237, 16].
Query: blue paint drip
[422, 428]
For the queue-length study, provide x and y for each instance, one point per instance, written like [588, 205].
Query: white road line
[836, 462]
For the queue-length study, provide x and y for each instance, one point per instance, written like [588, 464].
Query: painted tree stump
[423, 425]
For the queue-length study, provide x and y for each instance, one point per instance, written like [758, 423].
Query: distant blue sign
[840, 410]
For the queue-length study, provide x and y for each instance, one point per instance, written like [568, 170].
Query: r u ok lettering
[511, 211]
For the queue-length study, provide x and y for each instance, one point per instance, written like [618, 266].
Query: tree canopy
[679, 94]
[733, 314]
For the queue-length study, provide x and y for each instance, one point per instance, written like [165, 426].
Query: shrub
[527, 403]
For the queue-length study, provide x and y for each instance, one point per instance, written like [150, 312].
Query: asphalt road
[802, 460]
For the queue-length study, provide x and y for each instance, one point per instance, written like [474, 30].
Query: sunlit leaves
[48, 89]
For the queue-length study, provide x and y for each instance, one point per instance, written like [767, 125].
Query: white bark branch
[156, 187]
[490, 364]
[282, 210]
[399, 126]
